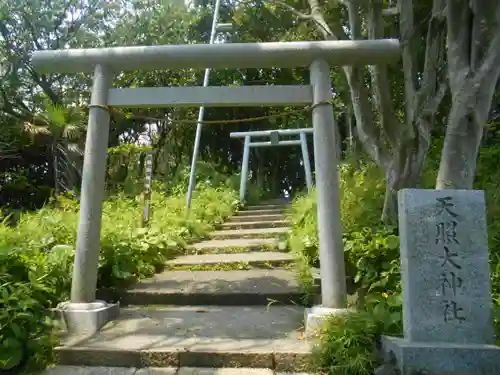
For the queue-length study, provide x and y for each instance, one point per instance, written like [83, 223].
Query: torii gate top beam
[268, 133]
[231, 55]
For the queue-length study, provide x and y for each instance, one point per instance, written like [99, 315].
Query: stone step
[255, 224]
[253, 259]
[248, 233]
[101, 370]
[201, 336]
[225, 288]
[270, 211]
[244, 218]
[264, 207]
[230, 245]
[281, 201]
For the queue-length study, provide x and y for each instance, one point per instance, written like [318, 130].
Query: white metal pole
[84, 282]
[148, 188]
[244, 168]
[199, 125]
[331, 251]
[306, 161]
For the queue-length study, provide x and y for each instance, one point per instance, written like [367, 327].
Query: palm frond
[75, 148]
[7, 152]
[56, 115]
[73, 131]
[68, 166]
[34, 130]
[76, 115]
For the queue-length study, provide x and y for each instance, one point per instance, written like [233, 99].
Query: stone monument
[447, 305]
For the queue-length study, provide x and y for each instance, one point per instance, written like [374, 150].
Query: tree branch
[459, 17]
[484, 13]
[484, 82]
[409, 43]
[380, 81]
[431, 106]
[319, 20]
[299, 14]
[367, 130]
[46, 87]
[30, 26]
[354, 12]
[429, 95]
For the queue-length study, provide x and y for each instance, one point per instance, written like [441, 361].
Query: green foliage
[372, 259]
[375, 254]
[362, 195]
[27, 330]
[36, 258]
[207, 176]
[125, 171]
[362, 192]
[347, 344]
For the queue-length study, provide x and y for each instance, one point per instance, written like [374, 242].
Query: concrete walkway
[77, 370]
[231, 304]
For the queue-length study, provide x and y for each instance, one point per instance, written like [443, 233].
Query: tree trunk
[473, 39]
[459, 156]
[350, 131]
[404, 171]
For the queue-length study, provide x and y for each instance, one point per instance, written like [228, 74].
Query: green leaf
[395, 300]
[5, 294]
[10, 356]
[379, 310]
[11, 353]
[24, 315]
[378, 284]
[496, 313]
[395, 317]
[358, 277]
[16, 330]
[392, 242]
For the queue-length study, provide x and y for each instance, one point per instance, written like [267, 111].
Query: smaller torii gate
[274, 141]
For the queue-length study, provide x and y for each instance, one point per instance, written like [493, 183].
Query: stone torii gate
[83, 313]
[274, 141]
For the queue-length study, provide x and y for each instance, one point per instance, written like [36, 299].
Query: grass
[234, 250]
[237, 266]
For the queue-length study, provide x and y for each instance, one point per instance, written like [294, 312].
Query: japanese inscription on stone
[444, 266]
[446, 235]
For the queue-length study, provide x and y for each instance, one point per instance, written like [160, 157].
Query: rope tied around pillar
[218, 122]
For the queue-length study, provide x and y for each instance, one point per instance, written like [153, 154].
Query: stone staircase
[232, 301]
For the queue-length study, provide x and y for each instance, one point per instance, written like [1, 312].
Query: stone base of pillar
[315, 316]
[84, 319]
[402, 356]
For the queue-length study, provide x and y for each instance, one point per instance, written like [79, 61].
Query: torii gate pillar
[331, 249]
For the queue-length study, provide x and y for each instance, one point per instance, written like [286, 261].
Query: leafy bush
[36, 258]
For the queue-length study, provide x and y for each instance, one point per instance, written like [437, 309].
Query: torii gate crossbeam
[83, 314]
